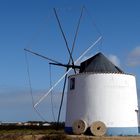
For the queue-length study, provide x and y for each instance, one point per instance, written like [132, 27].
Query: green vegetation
[13, 132]
[52, 129]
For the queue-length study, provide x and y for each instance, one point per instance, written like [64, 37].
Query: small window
[72, 83]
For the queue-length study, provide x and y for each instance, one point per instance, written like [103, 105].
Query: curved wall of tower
[107, 97]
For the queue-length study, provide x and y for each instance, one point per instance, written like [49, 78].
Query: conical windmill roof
[99, 64]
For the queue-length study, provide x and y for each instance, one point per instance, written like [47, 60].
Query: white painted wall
[110, 98]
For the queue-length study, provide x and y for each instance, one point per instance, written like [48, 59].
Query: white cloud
[135, 52]
[16, 105]
[133, 59]
[114, 59]
[133, 62]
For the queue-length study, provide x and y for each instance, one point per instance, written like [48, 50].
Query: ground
[49, 133]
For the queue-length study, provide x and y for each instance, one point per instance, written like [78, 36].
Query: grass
[18, 132]
[31, 129]
[52, 132]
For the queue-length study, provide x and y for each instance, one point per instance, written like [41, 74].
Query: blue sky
[31, 24]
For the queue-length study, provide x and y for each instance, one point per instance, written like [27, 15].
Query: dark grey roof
[99, 64]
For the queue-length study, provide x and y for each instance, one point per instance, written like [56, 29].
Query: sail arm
[81, 56]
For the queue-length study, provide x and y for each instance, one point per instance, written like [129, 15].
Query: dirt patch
[64, 137]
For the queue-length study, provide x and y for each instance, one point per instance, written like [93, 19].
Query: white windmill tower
[100, 96]
[103, 98]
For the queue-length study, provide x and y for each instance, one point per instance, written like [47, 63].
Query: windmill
[100, 96]
[71, 64]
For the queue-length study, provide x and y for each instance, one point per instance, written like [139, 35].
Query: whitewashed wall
[110, 98]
